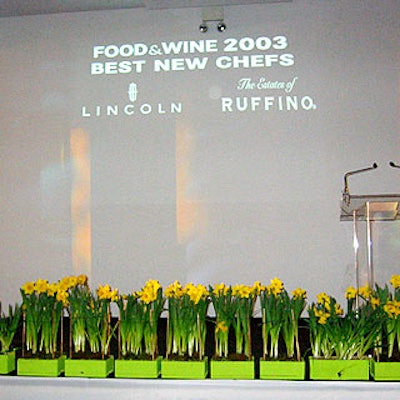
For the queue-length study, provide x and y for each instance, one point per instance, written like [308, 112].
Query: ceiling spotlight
[203, 27]
[221, 27]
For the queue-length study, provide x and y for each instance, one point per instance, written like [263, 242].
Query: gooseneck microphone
[392, 164]
[346, 193]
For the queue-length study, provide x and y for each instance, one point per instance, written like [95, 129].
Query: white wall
[204, 194]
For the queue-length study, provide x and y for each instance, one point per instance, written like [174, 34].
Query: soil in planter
[232, 357]
[395, 357]
[184, 357]
[41, 355]
[140, 357]
[87, 355]
[384, 354]
[280, 358]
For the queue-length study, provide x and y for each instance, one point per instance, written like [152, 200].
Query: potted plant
[386, 364]
[91, 331]
[42, 348]
[9, 325]
[234, 307]
[341, 342]
[139, 314]
[280, 319]
[186, 332]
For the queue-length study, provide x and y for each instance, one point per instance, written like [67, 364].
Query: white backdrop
[226, 167]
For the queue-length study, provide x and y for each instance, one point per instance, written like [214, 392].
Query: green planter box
[339, 370]
[385, 371]
[140, 369]
[283, 370]
[89, 368]
[232, 369]
[171, 369]
[41, 367]
[7, 363]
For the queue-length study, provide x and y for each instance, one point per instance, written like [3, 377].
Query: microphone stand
[346, 200]
[346, 192]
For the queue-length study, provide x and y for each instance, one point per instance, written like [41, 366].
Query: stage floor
[24, 388]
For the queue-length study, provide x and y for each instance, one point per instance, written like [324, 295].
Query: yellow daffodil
[338, 309]
[280, 316]
[52, 289]
[196, 293]
[299, 294]
[82, 280]
[28, 288]
[242, 291]
[275, 287]
[323, 298]
[187, 310]
[73, 281]
[257, 288]
[149, 293]
[392, 308]
[395, 281]
[41, 286]
[69, 282]
[106, 293]
[62, 296]
[365, 292]
[220, 289]
[139, 314]
[114, 295]
[103, 291]
[174, 290]
[323, 319]
[221, 327]
[64, 283]
[375, 302]
[43, 309]
[351, 293]
[318, 311]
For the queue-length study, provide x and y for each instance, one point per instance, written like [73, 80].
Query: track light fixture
[212, 14]
[203, 27]
[221, 26]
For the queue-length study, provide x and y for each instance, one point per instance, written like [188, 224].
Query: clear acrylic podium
[368, 208]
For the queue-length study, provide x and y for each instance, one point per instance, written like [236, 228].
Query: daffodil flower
[389, 302]
[187, 311]
[42, 304]
[395, 281]
[280, 316]
[8, 326]
[345, 335]
[138, 321]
